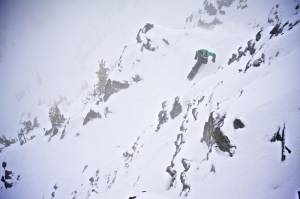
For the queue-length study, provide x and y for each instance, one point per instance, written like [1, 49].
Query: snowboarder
[202, 58]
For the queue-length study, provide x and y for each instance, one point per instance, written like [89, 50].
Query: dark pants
[196, 67]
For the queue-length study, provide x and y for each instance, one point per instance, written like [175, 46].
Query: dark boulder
[237, 124]
[258, 35]
[177, 108]
[90, 116]
[222, 141]
[147, 27]
[112, 87]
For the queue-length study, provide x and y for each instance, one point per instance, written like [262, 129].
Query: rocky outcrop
[112, 87]
[186, 188]
[144, 30]
[136, 78]
[211, 13]
[222, 141]
[179, 142]
[8, 178]
[176, 109]
[212, 134]
[173, 173]
[162, 116]
[259, 61]
[237, 124]
[91, 115]
[132, 152]
[59, 123]
[6, 142]
[120, 60]
[213, 168]
[143, 39]
[236, 57]
[281, 138]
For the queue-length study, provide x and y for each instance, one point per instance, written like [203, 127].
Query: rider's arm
[196, 55]
[213, 56]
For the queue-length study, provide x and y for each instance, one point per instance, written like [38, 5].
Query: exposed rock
[91, 115]
[258, 61]
[242, 4]
[237, 123]
[178, 145]
[250, 47]
[166, 41]
[195, 113]
[207, 131]
[179, 142]
[56, 117]
[143, 39]
[162, 116]
[84, 168]
[129, 154]
[102, 76]
[138, 37]
[119, 63]
[273, 16]
[136, 78]
[202, 23]
[223, 3]
[201, 99]
[277, 29]
[112, 87]
[93, 187]
[148, 45]
[8, 178]
[107, 112]
[240, 53]
[55, 187]
[183, 179]
[6, 142]
[58, 122]
[210, 8]
[147, 27]
[51, 132]
[111, 179]
[186, 164]
[210, 14]
[173, 173]
[222, 141]
[212, 134]
[248, 65]
[28, 126]
[281, 137]
[63, 133]
[177, 108]
[213, 169]
[291, 25]
[258, 35]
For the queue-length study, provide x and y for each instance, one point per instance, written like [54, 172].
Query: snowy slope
[123, 154]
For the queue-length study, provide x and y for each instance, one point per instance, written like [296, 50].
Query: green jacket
[204, 54]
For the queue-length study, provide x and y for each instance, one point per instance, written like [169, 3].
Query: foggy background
[50, 48]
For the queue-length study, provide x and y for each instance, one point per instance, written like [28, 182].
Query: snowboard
[194, 71]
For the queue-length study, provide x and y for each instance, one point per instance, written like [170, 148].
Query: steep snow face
[157, 134]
